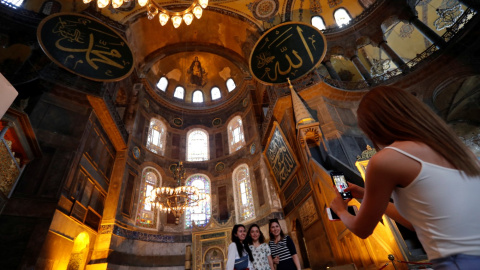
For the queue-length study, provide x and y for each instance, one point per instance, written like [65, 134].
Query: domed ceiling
[195, 71]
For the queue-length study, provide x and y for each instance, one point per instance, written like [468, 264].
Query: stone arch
[79, 254]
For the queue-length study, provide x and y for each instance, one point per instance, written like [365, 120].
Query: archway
[79, 254]
[302, 245]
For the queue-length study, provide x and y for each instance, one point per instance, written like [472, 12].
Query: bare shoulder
[394, 166]
[423, 152]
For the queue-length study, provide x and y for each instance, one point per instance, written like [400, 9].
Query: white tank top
[443, 206]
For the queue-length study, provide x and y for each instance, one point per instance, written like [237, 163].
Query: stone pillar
[394, 56]
[361, 68]
[428, 33]
[331, 70]
[104, 237]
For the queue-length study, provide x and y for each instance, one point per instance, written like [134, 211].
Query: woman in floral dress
[262, 258]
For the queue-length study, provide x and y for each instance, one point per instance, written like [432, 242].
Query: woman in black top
[283, 249]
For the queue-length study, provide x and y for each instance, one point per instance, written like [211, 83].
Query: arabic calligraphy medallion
[85, 46]
[289, 50]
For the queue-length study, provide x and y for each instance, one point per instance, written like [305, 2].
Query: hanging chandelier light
[176, 199]
[154, 9]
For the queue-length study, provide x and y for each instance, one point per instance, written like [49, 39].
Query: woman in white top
[434, 178]
[239, 254]
[262, 257]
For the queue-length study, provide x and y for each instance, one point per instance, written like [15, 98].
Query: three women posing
[256, 254]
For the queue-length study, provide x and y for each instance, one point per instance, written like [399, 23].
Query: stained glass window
[318, 22]
[231, 85]
[341, 17]
[162, 84]
[243, 194]
[215, 92]
[236, 139]
[197, 143]
[197, 96]
[201, 213]
[157, 134]
[146, 216]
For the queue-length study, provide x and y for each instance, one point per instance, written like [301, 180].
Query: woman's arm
[386, 170]
[393, 213]
[296, 261]
[293, 251]
[270, 262]
[232, 252]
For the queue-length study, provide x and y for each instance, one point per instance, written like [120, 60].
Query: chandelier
[176, 199]
[154, 9]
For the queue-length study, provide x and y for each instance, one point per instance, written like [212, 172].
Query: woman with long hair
[262, 257]
[434, 178]
[283, 249]
[239, 254]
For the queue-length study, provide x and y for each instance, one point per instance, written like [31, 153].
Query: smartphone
[352, 209]
[341, 183]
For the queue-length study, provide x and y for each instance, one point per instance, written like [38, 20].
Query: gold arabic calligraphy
[72, 40]
[280, 158]
[271, 65]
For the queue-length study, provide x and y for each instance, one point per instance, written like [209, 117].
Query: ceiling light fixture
[178, 198]
[154, 9]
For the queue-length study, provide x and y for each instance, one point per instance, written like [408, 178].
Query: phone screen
[341, 184]
[351, 210]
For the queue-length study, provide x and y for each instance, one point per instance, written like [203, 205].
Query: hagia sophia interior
[140, 132]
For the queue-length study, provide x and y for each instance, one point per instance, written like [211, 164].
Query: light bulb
[142, 3]
[152, 11]
[176, 20]
[203, 3]
[102, 3]
[188, 18]
[197, 10]
[163, 18]
[87, 1]
[117, 3]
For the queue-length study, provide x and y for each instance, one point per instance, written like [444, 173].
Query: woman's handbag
[241, 263]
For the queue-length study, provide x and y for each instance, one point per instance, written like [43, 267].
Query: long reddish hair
[387, 114]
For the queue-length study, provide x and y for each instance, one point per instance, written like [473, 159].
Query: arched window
[162, 84]
[197, 96]
[231, 85]
[146, 216]
[179, 92]
[197, 145]
[215, 92]
[341, 17]
[12, 3]
[235, 134]
[317, 21]
[243, 194]
[201, 213]
[50, 7]
[157, 133]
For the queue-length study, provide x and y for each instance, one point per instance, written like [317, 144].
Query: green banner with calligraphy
[280, 157]
[289, 50]
[85, 46]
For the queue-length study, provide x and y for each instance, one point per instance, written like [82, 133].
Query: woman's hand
[357, 191]
[276, 260]
[338, 204]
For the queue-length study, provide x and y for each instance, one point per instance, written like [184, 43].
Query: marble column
[394, 56]
[428, 33]
[331, 70]
[361, 68]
